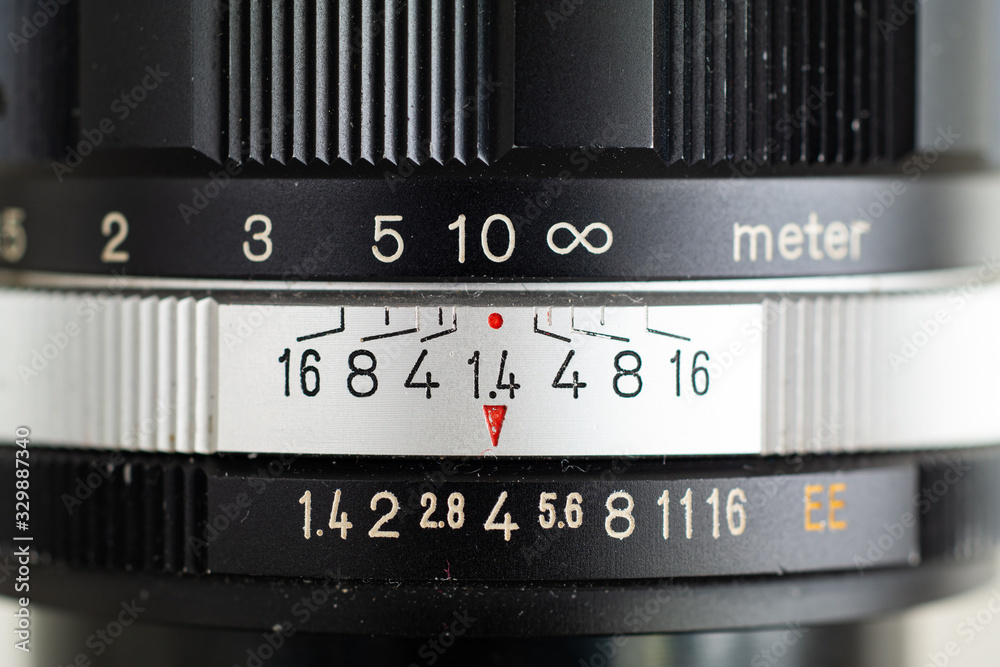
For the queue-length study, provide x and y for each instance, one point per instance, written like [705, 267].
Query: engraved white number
[376, 530]
[460, 226]
[547, 518]
[263, 237]
[430, 501]
[507, 526]
[574, 510]
[343, 524]
[736, 514]
[306, 500]
[111, 253]
[381, 232]
[510, 238]
[456, 510]
[713, 500]
[13, 238]
[665, 502]
[686, 502]
[619, 513]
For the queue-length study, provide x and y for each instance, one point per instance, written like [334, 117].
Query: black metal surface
[39, 87]
[64, 636]
[519, 610]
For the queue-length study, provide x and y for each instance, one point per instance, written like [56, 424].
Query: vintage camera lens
[573, 332]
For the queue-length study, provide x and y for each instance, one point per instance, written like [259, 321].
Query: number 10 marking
[484, 238]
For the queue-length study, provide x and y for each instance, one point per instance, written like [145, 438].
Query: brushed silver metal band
[899, 362]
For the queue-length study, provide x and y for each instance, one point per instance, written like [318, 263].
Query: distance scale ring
[446, 376]
[498, 228]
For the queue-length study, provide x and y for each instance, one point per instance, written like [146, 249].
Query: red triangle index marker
[494, 420]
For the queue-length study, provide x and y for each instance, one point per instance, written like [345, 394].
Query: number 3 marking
[264, 237]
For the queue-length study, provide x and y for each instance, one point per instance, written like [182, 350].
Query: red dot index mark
[494, 420]
[495, 320]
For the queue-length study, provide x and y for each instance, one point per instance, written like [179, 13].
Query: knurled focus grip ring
[775, 81]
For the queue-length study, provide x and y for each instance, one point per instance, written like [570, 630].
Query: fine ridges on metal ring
[839, 373]
[366, 81]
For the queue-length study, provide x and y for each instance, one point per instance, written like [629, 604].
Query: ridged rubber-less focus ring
[574, 520]
[775, 81]
[422, 372]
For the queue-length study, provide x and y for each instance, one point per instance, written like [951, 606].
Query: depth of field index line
[517, 380]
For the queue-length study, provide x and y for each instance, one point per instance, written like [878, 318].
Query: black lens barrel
[775, 81]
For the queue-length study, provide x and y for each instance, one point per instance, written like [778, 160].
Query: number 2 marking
[111, 254]
[376, 530]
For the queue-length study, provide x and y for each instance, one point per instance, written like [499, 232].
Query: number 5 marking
[379, 233]
[264, 237]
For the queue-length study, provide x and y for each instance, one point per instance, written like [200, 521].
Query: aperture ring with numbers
[579, 520]
[426, 373]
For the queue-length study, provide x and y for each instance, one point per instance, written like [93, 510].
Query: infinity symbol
[580, 237]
